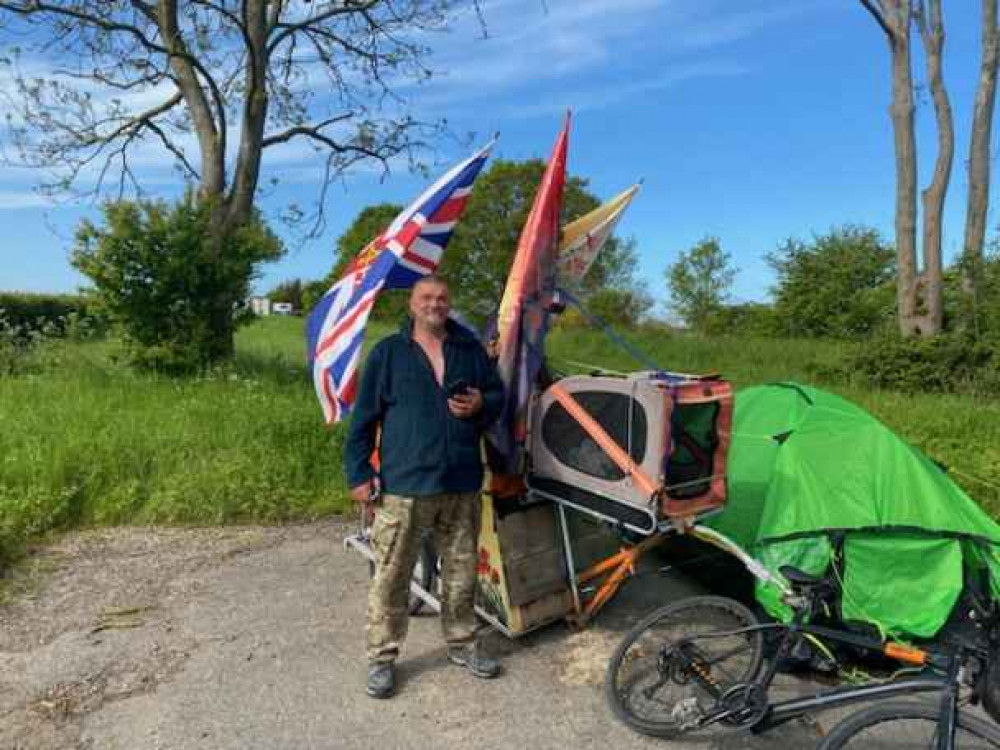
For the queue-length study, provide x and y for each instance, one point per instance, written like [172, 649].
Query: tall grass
[90, 442]
[84, 441]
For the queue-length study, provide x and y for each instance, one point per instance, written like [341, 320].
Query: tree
[698, 282]
[157, 278]
[838, 285]
[127, 76]
[368, 225]
[931, 281]
[620, 307]
[918, 295]
[979, 155]
[480, 252]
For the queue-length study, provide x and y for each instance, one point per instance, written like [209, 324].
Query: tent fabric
[812, 476]
[880, 572]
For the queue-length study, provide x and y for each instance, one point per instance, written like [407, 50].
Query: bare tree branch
[218, 62]
[877, 10]
[135, 123]
[173, 148]
[309, 130]
[288, 29]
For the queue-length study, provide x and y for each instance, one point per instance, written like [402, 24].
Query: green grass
[87, 442]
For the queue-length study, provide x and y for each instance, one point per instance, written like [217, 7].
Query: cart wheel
[425, 573]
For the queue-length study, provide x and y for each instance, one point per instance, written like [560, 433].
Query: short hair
[431, 278]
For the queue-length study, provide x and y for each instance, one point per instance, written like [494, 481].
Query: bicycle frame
[941, 673]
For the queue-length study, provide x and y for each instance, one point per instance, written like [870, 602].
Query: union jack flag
[411, 247]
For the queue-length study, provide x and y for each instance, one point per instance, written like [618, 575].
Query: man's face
[429, 305]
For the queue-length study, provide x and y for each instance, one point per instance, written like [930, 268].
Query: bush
[839, 285]
[32, 327]
[950, 362]
[54, 313]
[747, 319]
[170, 284]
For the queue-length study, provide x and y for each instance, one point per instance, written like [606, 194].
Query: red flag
[522, 321]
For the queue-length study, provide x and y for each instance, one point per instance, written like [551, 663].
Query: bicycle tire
[971, 733]
[425, 573]
[649, 636]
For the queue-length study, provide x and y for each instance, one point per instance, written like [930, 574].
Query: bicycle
[698, 666]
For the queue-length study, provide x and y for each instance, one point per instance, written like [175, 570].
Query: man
[429, 391]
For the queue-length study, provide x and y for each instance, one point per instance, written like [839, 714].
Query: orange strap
[905, 653]
[607, 444]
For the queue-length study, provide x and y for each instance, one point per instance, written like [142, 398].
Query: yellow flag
[583, 239]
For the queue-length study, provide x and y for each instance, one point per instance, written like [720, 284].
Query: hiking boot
[381, 680]
[475, 660]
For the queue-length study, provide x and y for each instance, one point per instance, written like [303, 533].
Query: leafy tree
[311, 293]
[213, 85]
[368, 225]
[480, 252]
[838, 285]
[981, 313]
[698, 282]
[158, 278]
[621, 307]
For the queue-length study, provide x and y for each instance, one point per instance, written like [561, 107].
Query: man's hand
[467, 404]
[362, 494]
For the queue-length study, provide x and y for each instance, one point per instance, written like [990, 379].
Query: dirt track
[250, 637]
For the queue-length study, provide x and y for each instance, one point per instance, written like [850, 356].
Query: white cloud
[575, 46]
[715, 29]
[595, 98]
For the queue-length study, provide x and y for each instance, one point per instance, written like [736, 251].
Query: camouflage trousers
[396, 535]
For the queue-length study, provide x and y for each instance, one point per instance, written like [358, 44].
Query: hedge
[27, 310]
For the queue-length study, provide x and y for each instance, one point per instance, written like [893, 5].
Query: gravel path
[251, 637]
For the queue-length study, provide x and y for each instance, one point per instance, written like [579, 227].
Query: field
[86, 442]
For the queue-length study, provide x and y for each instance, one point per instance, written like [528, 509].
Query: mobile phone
[457, 388]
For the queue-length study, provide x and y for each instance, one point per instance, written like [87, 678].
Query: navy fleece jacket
[424, 450]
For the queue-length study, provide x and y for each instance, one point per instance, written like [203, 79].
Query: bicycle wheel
[663, 674]
[907, 725]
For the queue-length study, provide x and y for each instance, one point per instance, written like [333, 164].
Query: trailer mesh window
[571, 445]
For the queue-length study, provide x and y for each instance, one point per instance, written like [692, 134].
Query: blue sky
[749, 120]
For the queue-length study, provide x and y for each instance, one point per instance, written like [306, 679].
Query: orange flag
[522, 321]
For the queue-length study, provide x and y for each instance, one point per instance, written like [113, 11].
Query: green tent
[811, 476]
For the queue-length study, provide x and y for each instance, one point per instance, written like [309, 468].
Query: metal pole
[568, 558]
